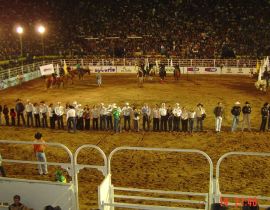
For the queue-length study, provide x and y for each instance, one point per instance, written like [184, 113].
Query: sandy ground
[147, 169]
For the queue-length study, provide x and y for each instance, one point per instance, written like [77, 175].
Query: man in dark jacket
[19, 109]
[236, 111]
[264, 113]
[246, 110]
[218, 111]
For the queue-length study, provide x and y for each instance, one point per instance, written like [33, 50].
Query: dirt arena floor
[182, 172]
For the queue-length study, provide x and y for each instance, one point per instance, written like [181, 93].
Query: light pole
[19, 30]
[41, 30]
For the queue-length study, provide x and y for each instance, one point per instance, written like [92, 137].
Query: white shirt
[102, 110]
[43, 109]
[95, 113]
[29, 107]
[156, 113]
[35, 110]
[126, 110]
[59, 110]
[200, 111]
[79, 112]
[177, 112]
[191, 115]
[71, 113]
[50, 110]
[184, 115]
[163, 111]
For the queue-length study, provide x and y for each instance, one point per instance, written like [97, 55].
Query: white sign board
[47, 69]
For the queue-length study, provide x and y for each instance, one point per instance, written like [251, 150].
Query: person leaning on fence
[39, 150]
[71, 119]
[6, 114]
[17, 205]
[265, 114]
[2, 170]
[218, 112]
[236, 111]
[246, 110]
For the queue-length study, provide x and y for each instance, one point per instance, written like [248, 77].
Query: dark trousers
[163, 123]
[184, 125]
[7, 120]
[37, 120]
[87, 124]
[155, 124]
[60, 122]
[19, 116]
[109, 123]
[126, 121]
[2, 171]
[71, 120]
[52, 122]
[263, 124]
[13, 121]
[199, 124]
[29, 119]
[146, 121]
[170, 123]
[176, 123]
[191, 124]
[102, 122]
[95, 123]
[80, 123]
[44, 120]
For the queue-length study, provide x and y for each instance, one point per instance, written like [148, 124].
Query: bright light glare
[19, 30]
[41, 29]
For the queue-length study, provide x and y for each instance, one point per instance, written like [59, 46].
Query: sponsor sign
[102, 69]
[127, 69]
[210, 69]
[193, 69]
[46, 69]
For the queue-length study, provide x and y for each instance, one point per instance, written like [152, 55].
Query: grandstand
[217, 45]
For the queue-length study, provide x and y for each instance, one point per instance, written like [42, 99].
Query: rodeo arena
[154, 105]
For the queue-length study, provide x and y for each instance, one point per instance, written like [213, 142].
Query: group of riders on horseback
[151, 70]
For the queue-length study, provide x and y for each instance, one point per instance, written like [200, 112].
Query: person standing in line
[109, 118]
[191, 117]
[218, 112]
[99, 79]
[71, 119]
[236, 111]
[19, 110]
[200, 115]
[163, 115]
[176, 117]
[79, 117]
[246, 110]
[39, 150]
[13, 116]
[136, 119]
[59, 111]
[95, 115]
[43, 109]
[146, 112]
[86, 117]
[51, 116]
[265, 114]
[116, 116]
[29, 113]
[126, 113]
[156, 118]
[6, 114]
[170, 118]
[184, 119]
[268, 119]
[102, 121]
[36, 113]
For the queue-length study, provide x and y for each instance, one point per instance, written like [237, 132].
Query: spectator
[39, 150]
[17, 205]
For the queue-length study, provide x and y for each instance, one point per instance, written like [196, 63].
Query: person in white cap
[236, 111]
[163, 115]
[59, 111]
[29, 113]
[126, 111]
[176, 117]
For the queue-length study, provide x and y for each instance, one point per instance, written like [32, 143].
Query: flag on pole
[57, 70]
[257, 67]
[65, 67]
[171, 63]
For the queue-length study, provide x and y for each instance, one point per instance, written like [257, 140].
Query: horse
[176, 72]
[150, 72]
[82, 72]
[261, 85]
[54, 81]
[162, 73]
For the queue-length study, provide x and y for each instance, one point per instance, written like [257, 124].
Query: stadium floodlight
[19, 30]
[41, 29]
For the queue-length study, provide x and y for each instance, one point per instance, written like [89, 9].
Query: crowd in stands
[115, 118]
[186, 28]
